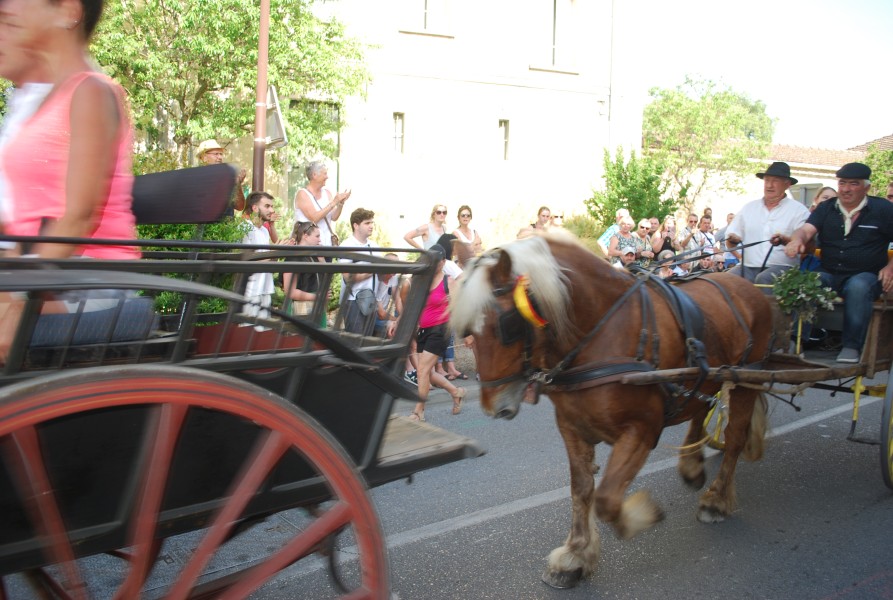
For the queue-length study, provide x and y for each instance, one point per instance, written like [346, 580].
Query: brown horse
[549, 316]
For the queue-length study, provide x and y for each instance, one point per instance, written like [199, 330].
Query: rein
[694, 254]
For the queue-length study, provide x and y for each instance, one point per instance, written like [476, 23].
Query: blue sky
[821, 67]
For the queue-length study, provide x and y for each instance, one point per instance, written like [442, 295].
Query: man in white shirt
[769, 220]
[359, 303]
[259, 289]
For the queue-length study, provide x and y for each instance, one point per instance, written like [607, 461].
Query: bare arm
[799, 239]
[612, 247]
[339, 200]
[292, 290]
[239, 193]
[305, 203]
[657, 240]
[412, 234]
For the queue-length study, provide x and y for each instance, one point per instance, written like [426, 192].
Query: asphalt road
[814, 518]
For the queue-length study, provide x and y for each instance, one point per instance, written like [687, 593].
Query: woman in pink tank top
[68, 167]
[432, 339]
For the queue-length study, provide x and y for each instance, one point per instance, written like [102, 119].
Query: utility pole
[260, 105]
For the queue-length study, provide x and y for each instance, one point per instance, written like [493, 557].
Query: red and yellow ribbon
[524, 305]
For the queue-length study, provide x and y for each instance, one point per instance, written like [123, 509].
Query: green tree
[704, 132]
[881, 163]
[636, 184]
[190, 67]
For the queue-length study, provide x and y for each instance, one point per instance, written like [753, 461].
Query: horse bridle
[523, 319]
[514, 324]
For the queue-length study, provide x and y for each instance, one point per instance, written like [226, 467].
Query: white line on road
[419, 534]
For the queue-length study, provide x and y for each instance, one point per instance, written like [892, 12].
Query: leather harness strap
[689, 317]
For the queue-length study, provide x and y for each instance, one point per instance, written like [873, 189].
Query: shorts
[433, 339]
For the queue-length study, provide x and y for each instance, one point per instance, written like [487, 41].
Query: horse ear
[502, 271]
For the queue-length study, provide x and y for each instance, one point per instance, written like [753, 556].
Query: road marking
[432, 530]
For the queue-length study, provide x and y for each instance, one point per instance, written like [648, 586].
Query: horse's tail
[753, 448]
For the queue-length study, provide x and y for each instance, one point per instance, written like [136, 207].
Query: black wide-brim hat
[779, 169]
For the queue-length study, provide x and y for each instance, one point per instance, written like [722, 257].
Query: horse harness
[520, 322]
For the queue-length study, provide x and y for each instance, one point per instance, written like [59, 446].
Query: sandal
[414, 416]
[457, 400]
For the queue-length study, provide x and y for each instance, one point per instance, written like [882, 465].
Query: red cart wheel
[168, 402]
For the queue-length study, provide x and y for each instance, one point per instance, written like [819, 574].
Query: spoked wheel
[123, 458]
[887, 434]
[715, 425]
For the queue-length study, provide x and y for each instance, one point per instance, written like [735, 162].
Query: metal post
[260, 105]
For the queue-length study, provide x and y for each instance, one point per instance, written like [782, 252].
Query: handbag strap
[319, 206]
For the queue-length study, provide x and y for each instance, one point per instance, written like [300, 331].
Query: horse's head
[513, 300]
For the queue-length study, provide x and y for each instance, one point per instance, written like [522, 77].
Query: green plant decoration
[802, 292]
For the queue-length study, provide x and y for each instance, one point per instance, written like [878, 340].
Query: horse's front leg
[691, 457]
[638, 512]
[578, 556]
[744, 434]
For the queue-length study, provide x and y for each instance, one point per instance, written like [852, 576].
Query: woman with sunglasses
[431, 231]
[622, 240]
[644, 249]
[465, 233]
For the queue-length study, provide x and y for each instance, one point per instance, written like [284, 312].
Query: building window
[504, 137]
[555, 32]
[428, 18]
[435, 15]
[398, 132]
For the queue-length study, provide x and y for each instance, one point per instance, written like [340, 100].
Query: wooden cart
[142, 454]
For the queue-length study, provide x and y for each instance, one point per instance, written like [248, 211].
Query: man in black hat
[767, 222]
[854, 231]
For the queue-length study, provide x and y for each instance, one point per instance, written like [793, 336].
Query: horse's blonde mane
[531, 257]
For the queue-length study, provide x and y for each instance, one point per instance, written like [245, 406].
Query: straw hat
[207, 146]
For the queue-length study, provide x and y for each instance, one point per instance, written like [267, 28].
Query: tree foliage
[881, 163]
[705, 132]
[636, 184]
[191, 65]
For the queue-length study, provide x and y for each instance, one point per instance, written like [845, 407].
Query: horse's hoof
[696, 483]
[562, 580]
[710, 515]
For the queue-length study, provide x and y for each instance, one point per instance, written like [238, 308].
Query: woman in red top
[432, 339]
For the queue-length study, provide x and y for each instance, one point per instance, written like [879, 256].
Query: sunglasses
[440, 212]
[644, 226]
[465, 216]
